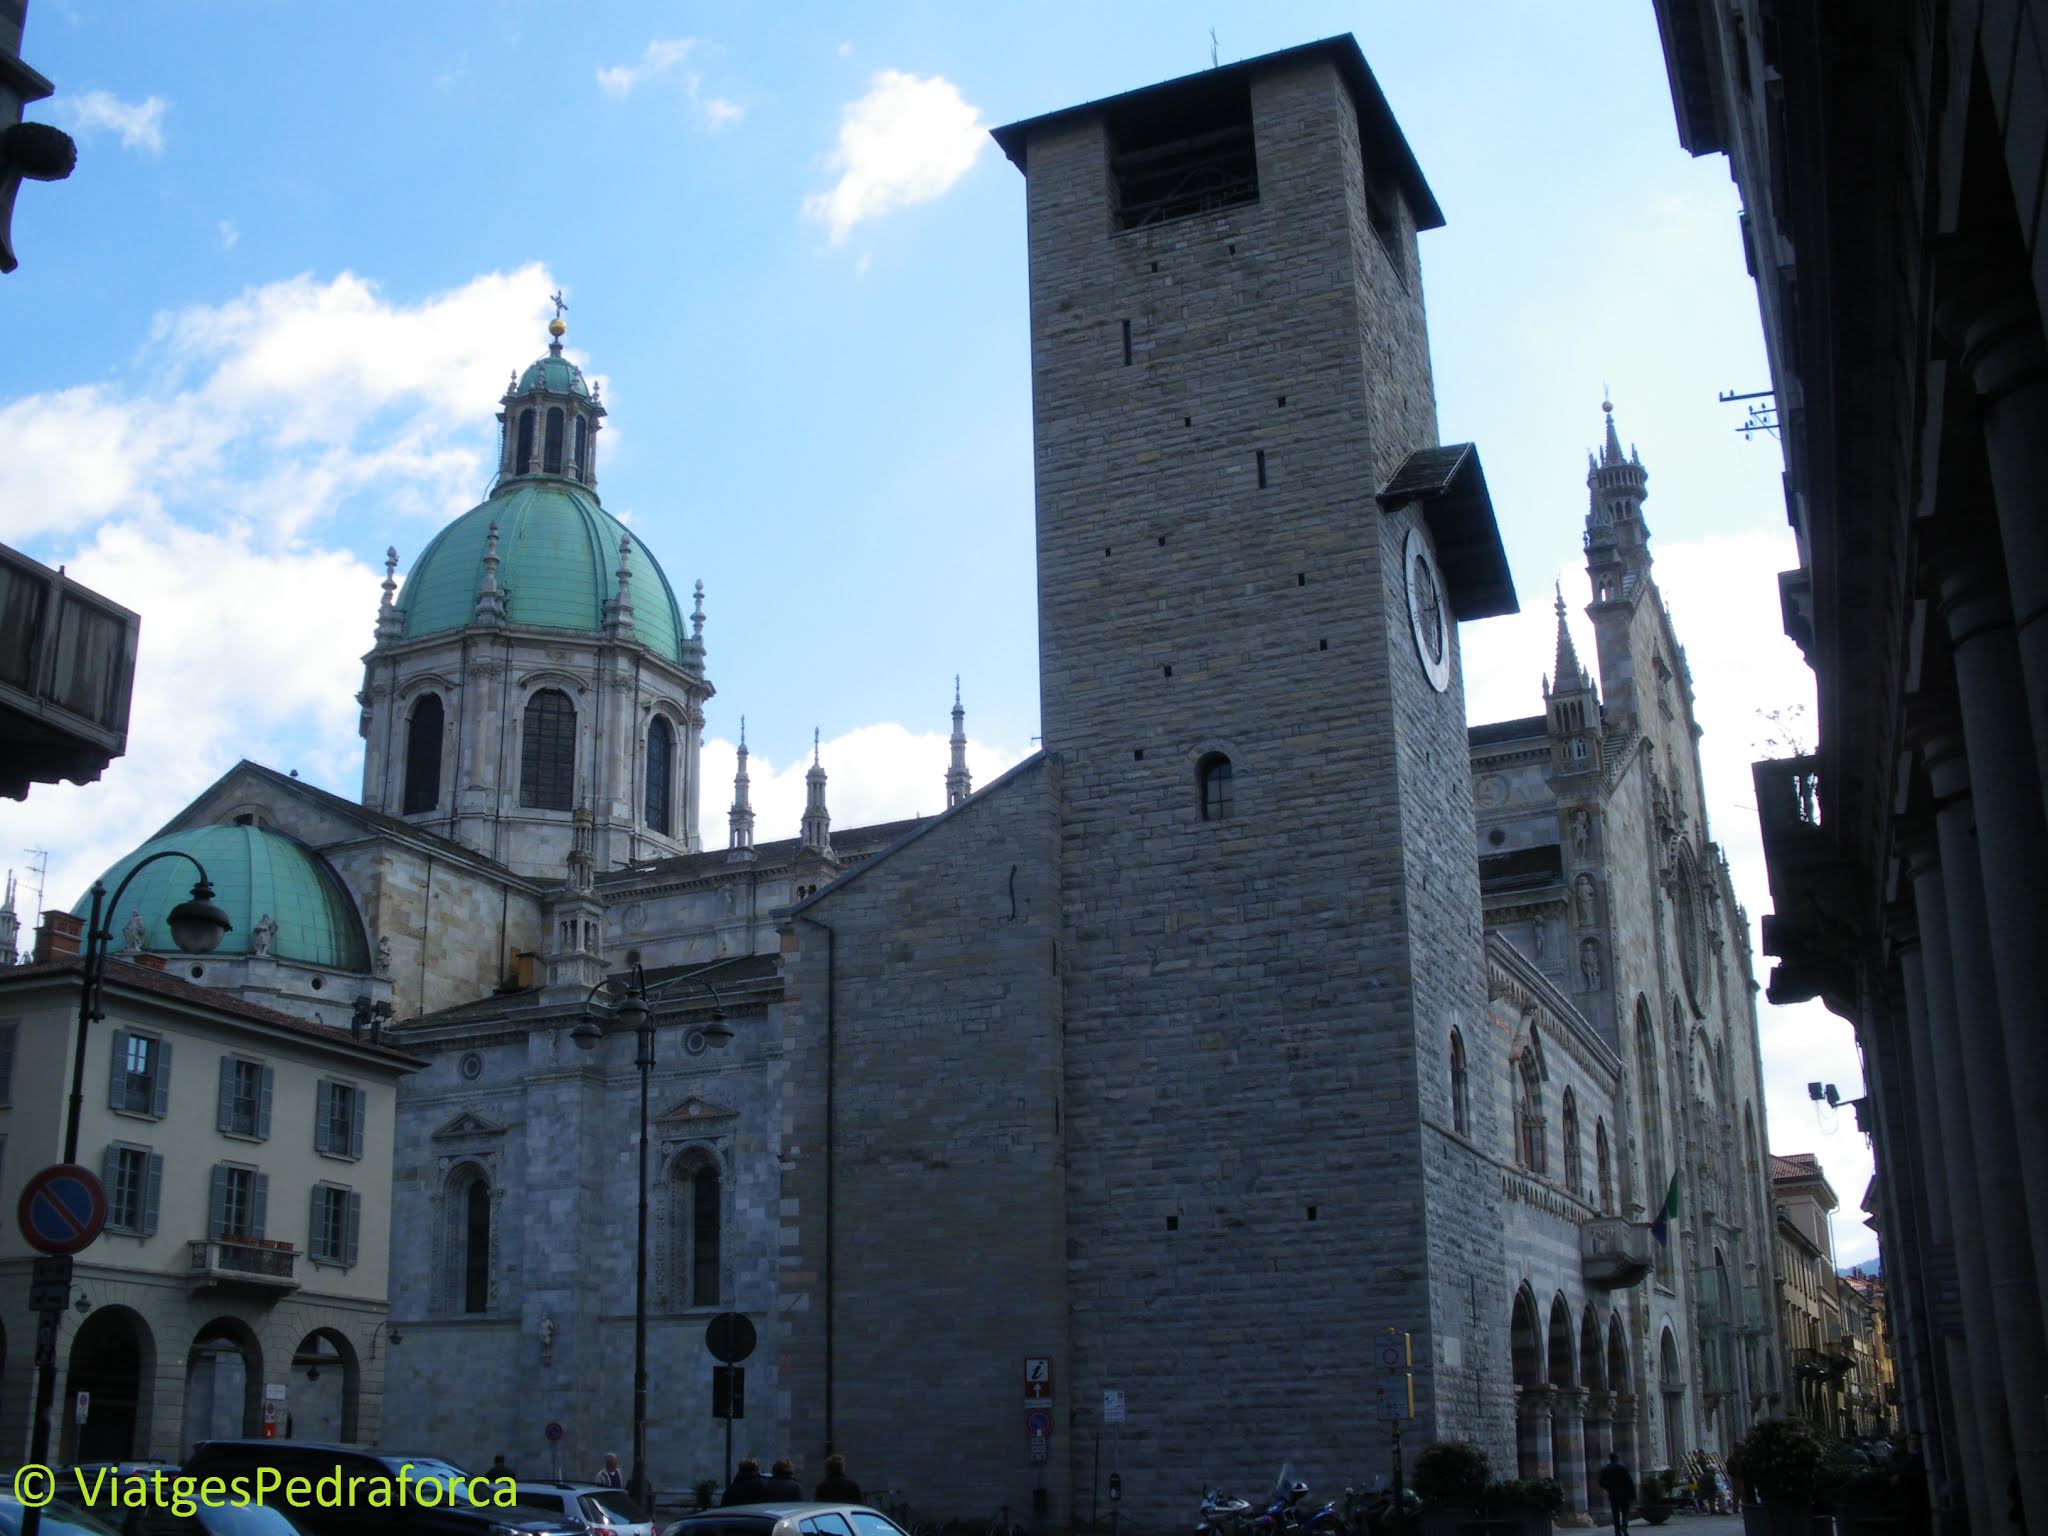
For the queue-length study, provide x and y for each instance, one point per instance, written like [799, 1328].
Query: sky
[261, 332]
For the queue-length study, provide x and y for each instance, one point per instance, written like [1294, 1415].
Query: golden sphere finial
[556, 327]
[1605, 405]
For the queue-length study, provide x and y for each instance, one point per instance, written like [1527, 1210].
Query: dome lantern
[550, 417]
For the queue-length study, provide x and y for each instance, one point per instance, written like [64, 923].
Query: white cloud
[845, 49]
[139, 123]
[230, 236]
[660, 57]
[665, 57]
[907, 141]
[211, 495]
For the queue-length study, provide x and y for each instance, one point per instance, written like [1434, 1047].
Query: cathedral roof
[558, 553]
[256, 873]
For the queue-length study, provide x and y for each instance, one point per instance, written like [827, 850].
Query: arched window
[1650, 1081]
[1604, 1167]
[694, 1225]
[525, 459]
[1531, 1115]
[582, 447]
[423, 756]
[551, 457]
[1213, 779]
[1568, 1119]
[661, 752]
[1461, 1117]
[547, 752]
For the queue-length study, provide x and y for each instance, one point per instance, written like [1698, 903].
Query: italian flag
[1661, 1227]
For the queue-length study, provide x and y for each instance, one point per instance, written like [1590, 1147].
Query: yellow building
[241, 1279]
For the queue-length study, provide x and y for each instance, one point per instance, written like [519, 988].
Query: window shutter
[314, 1225]
[217, 1215]
[224, 1117]
[117, 1076]
[152, 1194]
[354, 1227]
[110, 1168]
[7, 1033]
[258, 1200]
[323, 1111]
[162, 1077]
[263, 1103]
[355, 1134]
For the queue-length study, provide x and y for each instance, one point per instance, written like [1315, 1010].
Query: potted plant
[1451, 1479]
[1868, 1500]
[1653, 1500]
[705, 1490]
[1531, 1504]
[1778, 1461]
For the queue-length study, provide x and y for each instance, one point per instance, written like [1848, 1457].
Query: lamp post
[632, 1012]
[196, 928]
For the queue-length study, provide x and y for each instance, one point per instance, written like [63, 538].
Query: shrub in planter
[1653, 1498]
[1779, 1461]
[1539, 1496]
[705, 1490]
[1451, 1474]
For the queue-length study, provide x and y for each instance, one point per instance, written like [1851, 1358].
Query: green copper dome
[256, 872]
[558, 558]
[554, 373]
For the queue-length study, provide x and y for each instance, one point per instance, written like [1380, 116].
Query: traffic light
[728, 1392]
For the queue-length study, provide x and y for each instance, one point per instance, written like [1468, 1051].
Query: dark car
[447, 1511]
[787, 1519]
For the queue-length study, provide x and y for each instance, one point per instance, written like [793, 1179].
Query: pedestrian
[501, 1467]
[611, 1476]
[1913, 1506]
[782, 1483]
[1620, 1489]
[837, 1487]
[747, 1485]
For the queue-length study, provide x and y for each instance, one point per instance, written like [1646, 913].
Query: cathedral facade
[1261, 1016]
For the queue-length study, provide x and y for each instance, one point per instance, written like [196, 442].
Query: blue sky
[266, 322]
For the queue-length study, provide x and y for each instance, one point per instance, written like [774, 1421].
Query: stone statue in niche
[729, 900]
[1589, 963]
[1536, 939]
[135, 935]
[1588, 900]
[547, 1339]
[383, 955]
[263, 935]
[1582, 835]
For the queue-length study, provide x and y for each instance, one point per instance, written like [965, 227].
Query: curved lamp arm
[632, 1009]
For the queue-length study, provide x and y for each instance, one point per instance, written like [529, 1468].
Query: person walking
[836, 1487]
[782, 1483]
[1620, 1489]
[611, 1476]
[747, 1485]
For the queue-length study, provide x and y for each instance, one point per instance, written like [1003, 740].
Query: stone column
[1992, 1253]
[1532, 1432]
[1568, 1446]
[1625, 1434]
[1599, 1441]
[1988, 314]
[2007, 802]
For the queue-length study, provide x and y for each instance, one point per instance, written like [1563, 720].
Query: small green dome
[558, 558]
[255, 872]
[554, 373]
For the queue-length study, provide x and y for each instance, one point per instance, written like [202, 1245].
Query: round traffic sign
[1038, 1423]
[553, 1431]
[62, 1209]
[730, 1337]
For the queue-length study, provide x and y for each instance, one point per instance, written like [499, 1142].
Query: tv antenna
[1212, 48]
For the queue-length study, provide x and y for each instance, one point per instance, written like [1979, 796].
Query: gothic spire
[1569, 675]
[490, 601]
[693, 647]
[618, 613]
[958, 785]
[1617, 538]
[817, 827]
[742, 843]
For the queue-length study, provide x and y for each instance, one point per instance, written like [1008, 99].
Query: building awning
[1451, 486]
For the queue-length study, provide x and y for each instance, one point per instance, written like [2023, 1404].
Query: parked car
[169, 1515]
[607, 1511]
[786, 1519]
[313, 1460]
[58, 1520]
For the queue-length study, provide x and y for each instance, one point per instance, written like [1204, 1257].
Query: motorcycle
[1222, 1514]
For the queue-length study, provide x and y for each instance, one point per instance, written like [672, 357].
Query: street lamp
[631, 1012]
[196, 928]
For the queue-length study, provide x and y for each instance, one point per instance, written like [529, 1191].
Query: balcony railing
[252, 1263]
[1614, 1252]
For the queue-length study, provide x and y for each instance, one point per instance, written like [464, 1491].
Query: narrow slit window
[1127, 343]
[525, 460]
[1214, 780]
[551, 459]
[1262, 469]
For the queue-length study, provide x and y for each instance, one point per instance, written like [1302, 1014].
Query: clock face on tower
[1427, 618]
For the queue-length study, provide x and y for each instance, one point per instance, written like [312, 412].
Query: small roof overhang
[1451, 486]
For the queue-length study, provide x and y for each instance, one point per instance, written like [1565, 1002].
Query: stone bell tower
[1252, 555]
